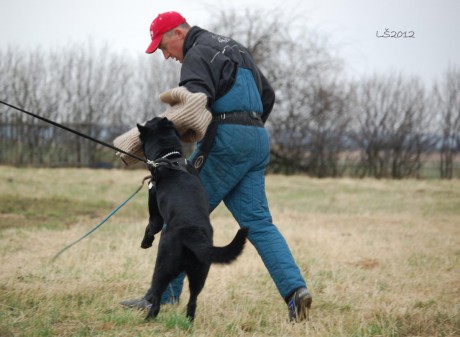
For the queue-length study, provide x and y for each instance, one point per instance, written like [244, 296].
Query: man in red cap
[234, 153]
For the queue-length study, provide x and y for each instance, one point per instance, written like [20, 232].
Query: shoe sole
[138, 306]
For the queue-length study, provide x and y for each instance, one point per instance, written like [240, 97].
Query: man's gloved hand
[131, 143]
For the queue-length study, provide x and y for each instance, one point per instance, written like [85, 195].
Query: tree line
[323, 124]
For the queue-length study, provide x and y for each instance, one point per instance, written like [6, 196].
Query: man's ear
[180, 33]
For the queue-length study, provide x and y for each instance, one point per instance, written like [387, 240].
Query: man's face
[171, 45]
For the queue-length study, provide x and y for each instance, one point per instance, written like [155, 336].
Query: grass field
[381, 258]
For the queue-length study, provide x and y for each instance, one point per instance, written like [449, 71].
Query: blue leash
[103, 221]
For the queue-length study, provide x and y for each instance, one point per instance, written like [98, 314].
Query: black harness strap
[241, 118]
[205, 146]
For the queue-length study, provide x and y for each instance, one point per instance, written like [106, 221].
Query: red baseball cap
[163, 23]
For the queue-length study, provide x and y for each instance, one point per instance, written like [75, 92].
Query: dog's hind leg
[167, 269]
[197, 278]
[160, 282]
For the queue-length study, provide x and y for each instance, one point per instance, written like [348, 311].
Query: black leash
[76, 132]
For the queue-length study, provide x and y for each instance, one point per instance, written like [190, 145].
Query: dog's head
[159, 137]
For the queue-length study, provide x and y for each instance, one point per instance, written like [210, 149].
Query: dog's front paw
[147, 241]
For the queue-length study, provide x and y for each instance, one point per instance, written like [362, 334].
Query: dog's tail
[230, 252]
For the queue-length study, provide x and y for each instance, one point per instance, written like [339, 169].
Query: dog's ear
[166, 123]
[140, 127]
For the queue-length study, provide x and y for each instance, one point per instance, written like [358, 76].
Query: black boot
[299, 304]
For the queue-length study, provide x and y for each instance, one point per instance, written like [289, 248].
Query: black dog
[178, 206]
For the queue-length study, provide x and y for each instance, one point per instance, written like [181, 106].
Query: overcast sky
[351, 25]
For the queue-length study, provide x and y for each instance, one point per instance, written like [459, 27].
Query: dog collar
[156, 163]
[179, 164]
[170, 154]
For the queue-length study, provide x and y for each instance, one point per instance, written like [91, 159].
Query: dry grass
[381, 259]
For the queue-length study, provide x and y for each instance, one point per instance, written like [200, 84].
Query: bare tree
[391, 127]
[263, 32]
[152, 76]
[448, 105]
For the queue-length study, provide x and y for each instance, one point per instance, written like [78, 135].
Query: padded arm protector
[188, 113]
[131, 143]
